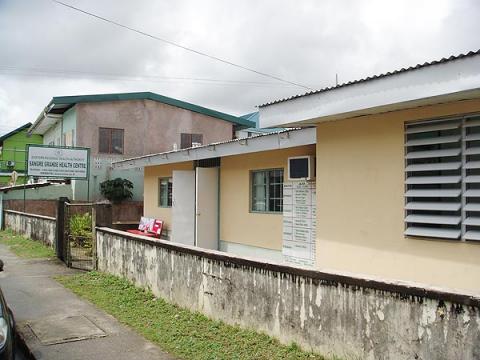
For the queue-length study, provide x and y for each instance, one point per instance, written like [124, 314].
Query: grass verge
[24, 247]
[178, 331]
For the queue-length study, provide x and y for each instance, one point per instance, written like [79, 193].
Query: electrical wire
[179, 45]
[13, 71]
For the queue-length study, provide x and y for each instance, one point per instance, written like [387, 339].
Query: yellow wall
[150, 201]
[237, 223]
[360, 204]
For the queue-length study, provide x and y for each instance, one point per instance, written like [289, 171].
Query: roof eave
[13, 132]
[446, 81]
[72, 100]
[265, 142]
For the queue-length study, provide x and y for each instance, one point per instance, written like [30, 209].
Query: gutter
[40, 118]
[264, 142]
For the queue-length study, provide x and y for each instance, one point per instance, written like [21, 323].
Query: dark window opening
[110, 141]
[190, 140]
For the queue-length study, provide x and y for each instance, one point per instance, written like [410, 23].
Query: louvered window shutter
[442, 178]
[433, 179]
[471, 174]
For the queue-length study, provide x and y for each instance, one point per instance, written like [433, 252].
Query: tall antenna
[336, 79]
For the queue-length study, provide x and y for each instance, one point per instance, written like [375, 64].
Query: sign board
[57, 162]
[299, 222]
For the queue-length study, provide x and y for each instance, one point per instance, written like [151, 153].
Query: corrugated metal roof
[254, 117]
[211, 144]
[13, 132]
[374, 77]
[59, 104]
[256, 144]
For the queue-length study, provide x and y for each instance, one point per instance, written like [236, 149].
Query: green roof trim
[72, 100]
[13, 132]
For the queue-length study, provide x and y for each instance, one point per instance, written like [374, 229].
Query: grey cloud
[305, 41]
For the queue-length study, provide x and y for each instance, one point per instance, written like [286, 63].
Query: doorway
[195, 207]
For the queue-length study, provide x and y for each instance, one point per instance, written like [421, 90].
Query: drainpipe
[218, 205]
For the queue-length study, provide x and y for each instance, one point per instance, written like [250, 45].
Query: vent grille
[442, 178]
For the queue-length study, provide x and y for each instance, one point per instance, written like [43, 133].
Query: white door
[183, 207]
[206, 208]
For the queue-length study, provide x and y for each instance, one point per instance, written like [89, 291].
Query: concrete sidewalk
[56, 324]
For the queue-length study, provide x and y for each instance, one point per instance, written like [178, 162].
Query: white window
[442, 178]
[165, 187]
[267, 190]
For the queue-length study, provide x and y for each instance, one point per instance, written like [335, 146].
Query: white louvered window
[442, 178]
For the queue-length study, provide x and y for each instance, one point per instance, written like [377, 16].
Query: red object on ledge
[148, 227]
[143, 233]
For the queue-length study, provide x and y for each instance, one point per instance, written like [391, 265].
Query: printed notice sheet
[299, 222]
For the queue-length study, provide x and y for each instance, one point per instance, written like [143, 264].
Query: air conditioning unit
[10, 163]
[301, 167]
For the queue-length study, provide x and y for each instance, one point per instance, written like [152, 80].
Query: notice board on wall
[299, 222]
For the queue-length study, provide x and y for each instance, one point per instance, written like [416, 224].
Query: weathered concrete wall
[125, 212]
[36, 227]
[37, 207]
[351, 317]
[39, 192]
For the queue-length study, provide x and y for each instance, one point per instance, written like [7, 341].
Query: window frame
[110, 141]
[169, 180]
[190, 139]
[267, 195]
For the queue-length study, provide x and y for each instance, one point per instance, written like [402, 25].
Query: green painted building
[13, 152]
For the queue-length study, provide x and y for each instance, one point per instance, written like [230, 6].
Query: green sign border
[59, 147]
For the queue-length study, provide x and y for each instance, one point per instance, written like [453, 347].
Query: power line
[116, 76]
[64, 73]
[180, 46]
[70, 71]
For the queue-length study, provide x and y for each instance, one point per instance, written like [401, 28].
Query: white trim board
[443, 82]
[274, 141]
[251, 251]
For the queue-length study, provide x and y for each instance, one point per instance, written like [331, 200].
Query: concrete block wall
[334, 314]
[36, 227]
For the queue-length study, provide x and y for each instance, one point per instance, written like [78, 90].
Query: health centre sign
[57, 162]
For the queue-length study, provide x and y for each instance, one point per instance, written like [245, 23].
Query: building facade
[13, 150]
[119, 126]
[226, 196]
[396, 194]
[397, 172]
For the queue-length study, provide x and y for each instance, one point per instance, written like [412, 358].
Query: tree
[116, 190]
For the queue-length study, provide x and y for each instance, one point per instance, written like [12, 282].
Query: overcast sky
[49, 50]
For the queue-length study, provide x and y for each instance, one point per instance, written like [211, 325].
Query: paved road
[55, 314]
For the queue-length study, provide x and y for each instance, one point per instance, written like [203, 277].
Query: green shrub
[81, 229]
[116, 190]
